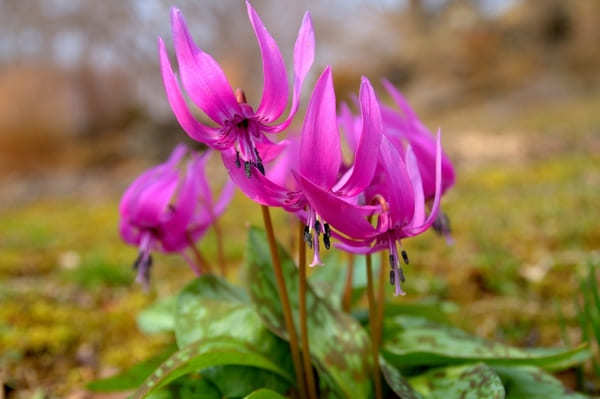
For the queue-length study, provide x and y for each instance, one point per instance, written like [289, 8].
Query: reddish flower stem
[372, 322]
[285, 301]
[380, 299]
[308, 373]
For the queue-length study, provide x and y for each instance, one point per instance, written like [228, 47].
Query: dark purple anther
[405, 257]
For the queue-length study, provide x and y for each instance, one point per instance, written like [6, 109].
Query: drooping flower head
[398, 189]
[313, 161]
[169, 207]
[240, 128]
[403, 127]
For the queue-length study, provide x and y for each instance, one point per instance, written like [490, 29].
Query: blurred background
[514, 85]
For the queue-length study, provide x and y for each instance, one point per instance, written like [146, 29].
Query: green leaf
[474, 381]
[203, 354]
[210, 307]
[132, 377]
[432, 310]
[239, 381]
[533, 383]
[412, 341]
[197, 388]
[264, 394]
[158, 317]
[338, 344]
[397, 382]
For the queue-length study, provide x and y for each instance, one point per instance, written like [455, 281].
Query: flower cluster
[390, 190]
[169, 208]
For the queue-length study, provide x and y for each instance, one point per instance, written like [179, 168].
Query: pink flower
[169, 207]
[240, 128]
[318, 194]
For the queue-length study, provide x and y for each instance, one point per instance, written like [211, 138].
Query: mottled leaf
[210, 307]
[158, 317]
[203, 354]
[397, 382]
[472, 381]
[264, 394]
[411, 341]
[132, 377]
[533, 383]
[338, 344]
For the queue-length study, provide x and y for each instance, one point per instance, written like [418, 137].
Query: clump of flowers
[391, 189]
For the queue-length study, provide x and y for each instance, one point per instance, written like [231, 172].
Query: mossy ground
[525, 221]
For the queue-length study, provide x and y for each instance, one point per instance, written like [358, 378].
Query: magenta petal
[269, 150]
[152, 201]
[190, 125]
[175, 229]
[347, 218]
[415, 179]
[279, 173]
[320, 152]
[360, 249]
[418, 229]
[399, 99]
[202, 76]
[397, 187]
[275, 91]
[258, 188]
[365, 158]
[304, 55]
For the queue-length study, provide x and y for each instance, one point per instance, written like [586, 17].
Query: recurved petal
[304, 55]
[414, 229]
[415, 178]
[183, 208]
[201, 75]
[151, 206]
[396, 188]
[256, 187]
[275, 90]
[280, 172]
[190, 125]
[399, 99]
[365, 157]
[320, 152]
[361, 249]
[349, 219]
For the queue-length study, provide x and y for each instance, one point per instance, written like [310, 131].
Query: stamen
[317, 227]
[327, 229]
[238, 163]
[326, 241]
[392, 277]
[247, 169]
[401, 274]
[259, 164]
[260, 168]
[405, 257]
[142, 265]
[308, 236]
[392, 260]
